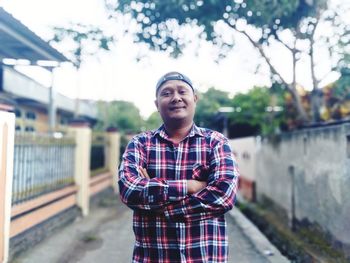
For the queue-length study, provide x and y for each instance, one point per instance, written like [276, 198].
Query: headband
[173, 76]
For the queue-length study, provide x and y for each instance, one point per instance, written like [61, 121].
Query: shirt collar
[195, 130]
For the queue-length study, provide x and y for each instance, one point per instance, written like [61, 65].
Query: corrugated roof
[18, 42]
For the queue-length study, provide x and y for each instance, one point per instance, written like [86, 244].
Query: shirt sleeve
[219, 195]
[138, 192]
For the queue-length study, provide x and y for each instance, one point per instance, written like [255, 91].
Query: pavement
[106, 236]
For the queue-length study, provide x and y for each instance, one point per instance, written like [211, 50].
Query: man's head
[175, 98]
[173, 75]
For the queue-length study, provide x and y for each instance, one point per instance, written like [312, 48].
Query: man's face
[176, 101]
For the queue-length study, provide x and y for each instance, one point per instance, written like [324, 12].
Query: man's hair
[173, 75]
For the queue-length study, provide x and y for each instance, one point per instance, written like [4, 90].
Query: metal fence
[42, 163]
[99, 144]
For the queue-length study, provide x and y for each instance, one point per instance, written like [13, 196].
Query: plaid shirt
[169, 224]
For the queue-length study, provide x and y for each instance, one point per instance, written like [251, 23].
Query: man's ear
[156, 103]
[196, 98]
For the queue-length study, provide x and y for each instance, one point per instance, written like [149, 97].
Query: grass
[98, 171]
[306, 244]
[89, 238]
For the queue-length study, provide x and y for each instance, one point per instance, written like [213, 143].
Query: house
[31, 100]
[35, 106]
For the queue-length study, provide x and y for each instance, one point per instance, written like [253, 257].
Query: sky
[118, 76]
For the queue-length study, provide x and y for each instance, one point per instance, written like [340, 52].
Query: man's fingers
[141, 172]
[144, 173]
[195, 186]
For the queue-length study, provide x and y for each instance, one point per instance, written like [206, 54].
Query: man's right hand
[194, 186]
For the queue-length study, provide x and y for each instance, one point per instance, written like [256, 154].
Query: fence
[99, 148]
[50, 179]
[42, 164]
[7, 127]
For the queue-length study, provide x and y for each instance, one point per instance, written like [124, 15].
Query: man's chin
[176, 118]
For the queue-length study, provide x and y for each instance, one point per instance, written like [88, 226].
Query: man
[179, 180]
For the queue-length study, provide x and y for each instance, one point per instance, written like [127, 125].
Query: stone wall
[36, 234]
[307, 174]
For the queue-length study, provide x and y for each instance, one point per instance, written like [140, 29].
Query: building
[31, 101]
[36, 107]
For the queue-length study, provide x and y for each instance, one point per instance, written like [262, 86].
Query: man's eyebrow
[166, 88]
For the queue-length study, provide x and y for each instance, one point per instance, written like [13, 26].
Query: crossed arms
[179, 200]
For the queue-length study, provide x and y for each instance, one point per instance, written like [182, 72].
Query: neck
[177, 133]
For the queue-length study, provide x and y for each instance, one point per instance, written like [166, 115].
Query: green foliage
[153, 121]
[259, 108]
[252, 105]
[84, 40]
[164, 25]
[159, 21]
[123, 115]
[208, 107]
[250, 110]
[342, 86]
[336, 99]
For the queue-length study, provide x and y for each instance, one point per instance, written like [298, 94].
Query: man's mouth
[177, 108]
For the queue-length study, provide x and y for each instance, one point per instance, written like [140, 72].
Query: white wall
[245, 151]
[315, 164]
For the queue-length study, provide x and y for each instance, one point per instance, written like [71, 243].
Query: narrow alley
[106, 236]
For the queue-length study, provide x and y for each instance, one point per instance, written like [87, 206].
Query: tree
[261, 22]
[261, 111]
[123, 115]
[83, 41]
[208, 106]
[337, 98]
[153, 121]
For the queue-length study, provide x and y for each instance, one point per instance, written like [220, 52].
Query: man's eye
[182, 92]
[166, 93]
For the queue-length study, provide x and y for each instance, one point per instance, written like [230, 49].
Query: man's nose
[176, 97]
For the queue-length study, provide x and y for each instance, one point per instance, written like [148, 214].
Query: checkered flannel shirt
[169, 224]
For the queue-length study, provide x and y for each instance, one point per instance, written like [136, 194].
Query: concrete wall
[245, 150]
[38, 233]
[307, 173]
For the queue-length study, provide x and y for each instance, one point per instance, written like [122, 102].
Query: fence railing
[42, 163]
[44, 176]
[98, 160]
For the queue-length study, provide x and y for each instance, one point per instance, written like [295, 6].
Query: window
[18, 128]
[18, 113]
[29, 129]
[63, 120]
[30, 115]
[246, 156]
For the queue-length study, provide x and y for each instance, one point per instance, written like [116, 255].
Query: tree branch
[262, 53]
[325, 75]
[284, 44]
[315, 82]
[292, 88]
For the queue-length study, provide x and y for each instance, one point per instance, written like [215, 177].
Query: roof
[26, 91]
[18, 42]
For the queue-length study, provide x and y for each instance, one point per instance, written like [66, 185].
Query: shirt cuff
[175, 212]
[177, 190]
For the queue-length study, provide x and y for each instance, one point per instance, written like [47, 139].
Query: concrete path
[106, 236]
